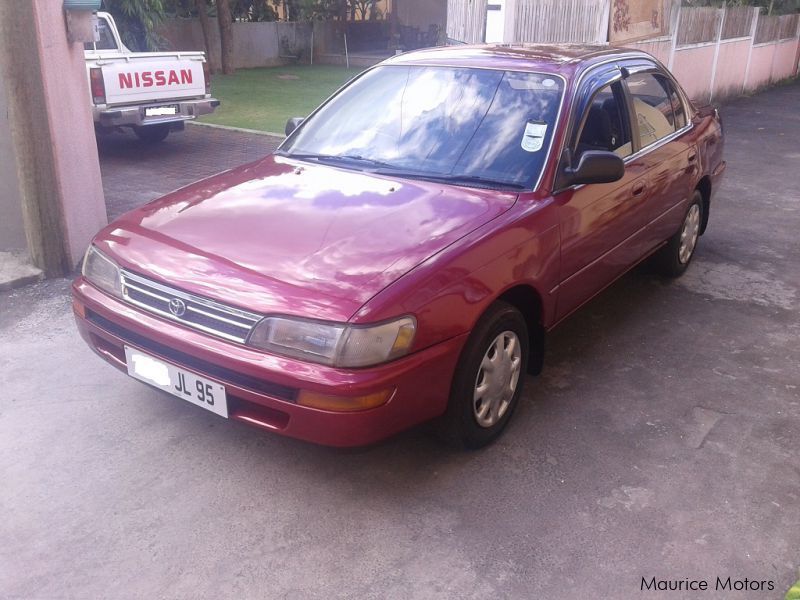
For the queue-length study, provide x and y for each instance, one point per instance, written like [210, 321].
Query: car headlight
[102, 272]
[335, 344]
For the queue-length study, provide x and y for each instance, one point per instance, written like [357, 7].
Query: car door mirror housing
[292, 124]
[596, 166]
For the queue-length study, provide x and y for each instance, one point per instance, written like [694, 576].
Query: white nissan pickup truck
[152, 92]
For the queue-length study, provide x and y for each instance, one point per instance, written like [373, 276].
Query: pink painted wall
[760, 66]
[658, 48]
[784, 62]
[692, 67]
[68, 105]
[731, 65]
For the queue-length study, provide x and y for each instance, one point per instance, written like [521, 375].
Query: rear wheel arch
[704, 187]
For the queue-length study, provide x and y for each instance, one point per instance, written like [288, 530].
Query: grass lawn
[265, 98]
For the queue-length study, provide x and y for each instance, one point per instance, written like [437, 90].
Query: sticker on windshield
[533, 138]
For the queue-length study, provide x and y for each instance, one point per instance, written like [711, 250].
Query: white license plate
[160, 111]
[178, 382]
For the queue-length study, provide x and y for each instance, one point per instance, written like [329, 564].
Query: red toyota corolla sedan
[402, 255]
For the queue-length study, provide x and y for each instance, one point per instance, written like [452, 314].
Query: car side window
[653, 105]
[606, 124]
[106, 41]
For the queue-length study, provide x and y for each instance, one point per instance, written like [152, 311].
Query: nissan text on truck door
[151, 92]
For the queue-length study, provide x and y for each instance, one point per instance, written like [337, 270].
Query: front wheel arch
[459, 425]
[526, 299]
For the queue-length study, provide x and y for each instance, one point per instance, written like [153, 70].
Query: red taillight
[207, 76]
[97, 85]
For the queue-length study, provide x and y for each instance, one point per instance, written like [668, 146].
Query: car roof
[563, 59]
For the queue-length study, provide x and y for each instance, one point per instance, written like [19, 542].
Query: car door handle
[638, 189]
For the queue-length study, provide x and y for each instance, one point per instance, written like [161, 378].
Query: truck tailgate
[142, 78]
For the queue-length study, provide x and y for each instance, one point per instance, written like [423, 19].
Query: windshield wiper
[383, 168]
[467, 180]
[348, 158]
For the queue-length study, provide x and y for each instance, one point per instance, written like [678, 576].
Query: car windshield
[484, 127]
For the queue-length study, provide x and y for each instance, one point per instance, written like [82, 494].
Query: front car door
[598, 221]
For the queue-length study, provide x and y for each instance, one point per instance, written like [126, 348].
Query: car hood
[282, 236]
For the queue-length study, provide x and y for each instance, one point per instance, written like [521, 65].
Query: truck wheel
[673, 259]
[152, 134]
[488, 380]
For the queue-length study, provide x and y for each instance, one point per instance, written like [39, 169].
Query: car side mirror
[292, 124]
[596, 166]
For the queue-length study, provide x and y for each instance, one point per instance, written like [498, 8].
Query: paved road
[661, 440]
[135, 172]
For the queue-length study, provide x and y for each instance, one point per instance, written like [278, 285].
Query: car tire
[152, 134]
[482, 401]
[673, 259]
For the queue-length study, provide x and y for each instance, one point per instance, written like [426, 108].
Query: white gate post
[722, 13]
[753, 28]
[603, 25]
[510, 22]
[675, 22]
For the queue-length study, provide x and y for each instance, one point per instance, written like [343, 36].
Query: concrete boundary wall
[261, 44]
[12, 223]
[720, 67]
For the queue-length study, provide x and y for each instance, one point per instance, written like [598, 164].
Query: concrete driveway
[661, 441]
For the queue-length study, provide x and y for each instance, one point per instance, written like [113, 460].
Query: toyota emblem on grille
[177, 307]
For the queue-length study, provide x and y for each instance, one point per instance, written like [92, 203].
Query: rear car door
[660, 127]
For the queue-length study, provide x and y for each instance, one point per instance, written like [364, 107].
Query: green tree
[225, 22]
[321, 10]
[309, 10]
[137, 21]
[365, 9]
[201, 8]
[253, 10]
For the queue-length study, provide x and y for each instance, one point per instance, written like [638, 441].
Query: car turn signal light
[79, 309]
[344, 403]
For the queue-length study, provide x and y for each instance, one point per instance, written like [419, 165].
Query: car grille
[205, 315]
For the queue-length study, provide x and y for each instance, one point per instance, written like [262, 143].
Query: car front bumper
[262, 389]
[134, 115]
